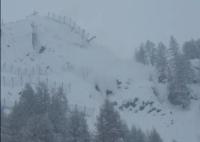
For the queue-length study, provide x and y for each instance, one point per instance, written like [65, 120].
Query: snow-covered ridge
[89, 72]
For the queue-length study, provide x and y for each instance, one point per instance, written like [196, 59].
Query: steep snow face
[90, 72]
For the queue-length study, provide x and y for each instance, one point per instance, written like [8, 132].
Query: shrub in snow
[42, 49]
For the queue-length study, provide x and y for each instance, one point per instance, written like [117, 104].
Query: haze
[119, 24]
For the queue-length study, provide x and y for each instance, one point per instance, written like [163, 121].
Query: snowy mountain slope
[90, 72]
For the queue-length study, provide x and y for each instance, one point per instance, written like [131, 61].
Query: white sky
[119, 24]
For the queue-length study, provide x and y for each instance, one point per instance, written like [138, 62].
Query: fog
[119, 24]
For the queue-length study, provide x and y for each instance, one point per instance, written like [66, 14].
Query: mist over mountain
[57, 51]
[120, 25]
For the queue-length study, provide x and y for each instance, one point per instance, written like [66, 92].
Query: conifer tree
[136, 135]
[179, 93]
[38, 129]
[180, 74]
[58, 114]
[154, 136]
[5, 132]
[109, 124]
[21, 112]
[191, 49]
[173, 47]
[161, 63]
[150, 51]
[78, 128]
[140, 55]
[42, 98]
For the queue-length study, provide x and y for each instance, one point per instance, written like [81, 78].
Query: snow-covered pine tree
[154, 137]
[172, 54]
[173, 48]
[42, 98]
[77, 127]
[161, 63]
[58, 114]
[198, 72]
[191, 49]
[109, 124]
[5, 132]
[38, 129]
[136, 135]
[181, 75]
[125, 133]
[21, 112]
[198, 48]
[140, 55]
[150, 51]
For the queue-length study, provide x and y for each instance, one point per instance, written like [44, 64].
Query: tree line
[43, 115]
[174, 67]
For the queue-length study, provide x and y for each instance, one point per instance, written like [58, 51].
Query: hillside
[90, 72]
